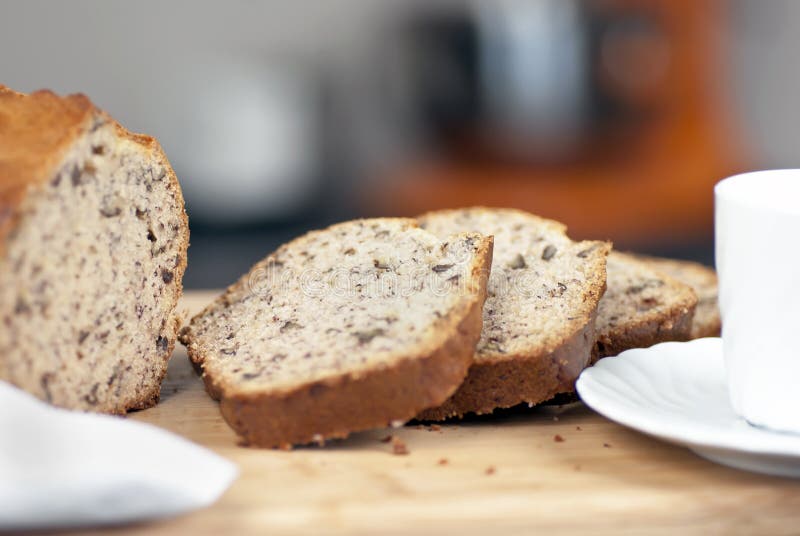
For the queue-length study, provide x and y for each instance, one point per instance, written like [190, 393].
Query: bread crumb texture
[349, 299]
[539, 316]
[641, 307]
[92, 270]
[541, 285]
[703, 279]
[359, 325]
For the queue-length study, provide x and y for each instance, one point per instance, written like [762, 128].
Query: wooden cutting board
[533, 471]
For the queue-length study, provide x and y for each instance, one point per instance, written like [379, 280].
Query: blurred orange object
[645, 181]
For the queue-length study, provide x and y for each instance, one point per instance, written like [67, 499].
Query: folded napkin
[65, 469]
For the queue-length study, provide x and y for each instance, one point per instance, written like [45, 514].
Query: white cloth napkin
[60, 468]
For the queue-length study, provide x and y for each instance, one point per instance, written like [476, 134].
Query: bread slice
[93, 239]
[357, 326]
[707, 321]
[539, 318]
[641, 307]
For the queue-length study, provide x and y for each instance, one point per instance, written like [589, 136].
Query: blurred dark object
[538, 81]
[608, 114]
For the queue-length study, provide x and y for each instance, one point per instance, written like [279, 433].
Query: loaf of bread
[357, 326]
[93, 239]
[642, 306]
[539, 317]
[707, 321]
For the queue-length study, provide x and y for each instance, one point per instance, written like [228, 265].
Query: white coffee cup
[757, 222]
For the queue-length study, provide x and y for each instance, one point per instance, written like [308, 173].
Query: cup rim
[776, 190]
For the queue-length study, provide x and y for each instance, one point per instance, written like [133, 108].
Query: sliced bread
[93, 239]
[539, 317]
[707, 321]
[357, 326]
[642, 306]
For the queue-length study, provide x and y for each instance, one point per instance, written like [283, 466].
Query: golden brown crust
[151, 399]
[674, 324]
[519, 379]
[508, 380]
[36, 132]
[528, 379]
[336, 406]
[703, 279]
[645, 334]
[152, 145]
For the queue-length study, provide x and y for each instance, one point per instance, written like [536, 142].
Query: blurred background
[614, 116]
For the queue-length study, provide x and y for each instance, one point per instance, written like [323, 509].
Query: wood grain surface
[549, 470]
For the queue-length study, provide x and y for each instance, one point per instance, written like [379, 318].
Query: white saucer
[676, 391]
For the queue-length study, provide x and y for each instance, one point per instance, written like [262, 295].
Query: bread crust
[533, 377]
[335, 407]
[651, 327]
[339, 405]
[707, 321]
[676, 327]
[36, 133]
[519, 379]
